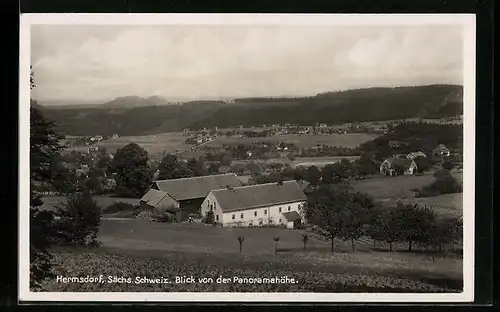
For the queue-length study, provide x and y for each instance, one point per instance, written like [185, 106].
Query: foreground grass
[312, 272]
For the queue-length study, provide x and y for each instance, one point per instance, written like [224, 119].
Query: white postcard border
[466, 20]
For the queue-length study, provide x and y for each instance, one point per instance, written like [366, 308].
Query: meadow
[301, 161]
[153, 144]
[350, 140]
[390, 190]
[134, 248]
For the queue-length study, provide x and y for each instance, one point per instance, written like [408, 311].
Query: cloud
[192, 61]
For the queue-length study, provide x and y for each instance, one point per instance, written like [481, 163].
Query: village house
[257, 205]
[413, 155]
[188, 193]
[441, 150]
[114, 136]
[396, 166]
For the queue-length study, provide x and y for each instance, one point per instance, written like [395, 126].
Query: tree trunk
[352, 244]
[240, 247]
[440, 247]
[374, 243]
[409, 245]
[390, 246]
[304, 245]
[275, 249]
[333, 242]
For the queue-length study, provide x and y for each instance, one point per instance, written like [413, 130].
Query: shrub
[79, 221]
[119, 206]
[444, 184]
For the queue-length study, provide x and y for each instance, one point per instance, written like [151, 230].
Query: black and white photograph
[247, 157]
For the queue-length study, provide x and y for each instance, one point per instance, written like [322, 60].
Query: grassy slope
[140, 248]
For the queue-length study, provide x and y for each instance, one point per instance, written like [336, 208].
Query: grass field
[302, 161]
[382, 187]
[50, 202]
[390, 190]
[140, 248]
[302, 141]
[153, 144]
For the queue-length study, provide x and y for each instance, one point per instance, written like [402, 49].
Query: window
[242, 216]
[288, 208]
[234, 216]
[270, 221]
[216, 217]
[255, 213]
[265, 211]
[280, 209]
[260, 223]
[280, 221]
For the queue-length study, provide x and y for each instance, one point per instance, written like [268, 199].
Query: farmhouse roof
[254, 196]
[153, 197]
[196, 187]
[292, 216]
[414, 155]
[403, 162]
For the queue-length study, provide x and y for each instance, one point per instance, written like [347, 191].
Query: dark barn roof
[196, 187]
[261, 195]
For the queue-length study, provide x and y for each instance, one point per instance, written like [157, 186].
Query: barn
[188, 193]
[257, 205]
[161, 205]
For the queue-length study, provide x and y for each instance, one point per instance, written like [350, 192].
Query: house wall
[188, 207]
[211, 203]
[265, 215]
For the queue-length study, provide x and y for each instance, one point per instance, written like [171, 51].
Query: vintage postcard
[247, 157]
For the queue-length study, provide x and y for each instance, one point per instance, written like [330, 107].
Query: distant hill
[139, 116]
[135, 101]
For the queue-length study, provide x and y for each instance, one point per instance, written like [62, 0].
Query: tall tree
[44, 147]
[133, 175]
[171, 167]
[313, 175]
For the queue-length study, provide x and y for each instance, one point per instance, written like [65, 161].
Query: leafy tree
[79, 221]
[415, 223]
[213, 169]
[423, 163]
[44, 147]
[313, 175]
[448, 165]
[171, 167]
[133, 175]
[326, 208]
[355, 218]
[384, 226]
[196, 166]
[366, 166]
[445, 183]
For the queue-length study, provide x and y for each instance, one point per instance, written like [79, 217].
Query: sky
[92, 63]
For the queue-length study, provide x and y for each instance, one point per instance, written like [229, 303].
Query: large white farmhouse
[254, 205]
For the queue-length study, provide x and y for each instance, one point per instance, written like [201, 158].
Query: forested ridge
[358, 105]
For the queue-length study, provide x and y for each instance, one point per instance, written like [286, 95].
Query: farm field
[153, 144]
[446, 204]
[50, 202]
[302, 141]
[382, 187]
[390, 190]
[301, 161]
[141, 248]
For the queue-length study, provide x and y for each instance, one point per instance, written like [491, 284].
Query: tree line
[339, 213]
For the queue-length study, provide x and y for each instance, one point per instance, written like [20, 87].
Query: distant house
[271, 203]
[189, 193]
[396, 166]
[93, 149]
[441, 150]
[114, 136]
[413, 155]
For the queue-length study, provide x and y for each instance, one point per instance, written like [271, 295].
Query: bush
[444, 184]
[79, 221]
[119, 206]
